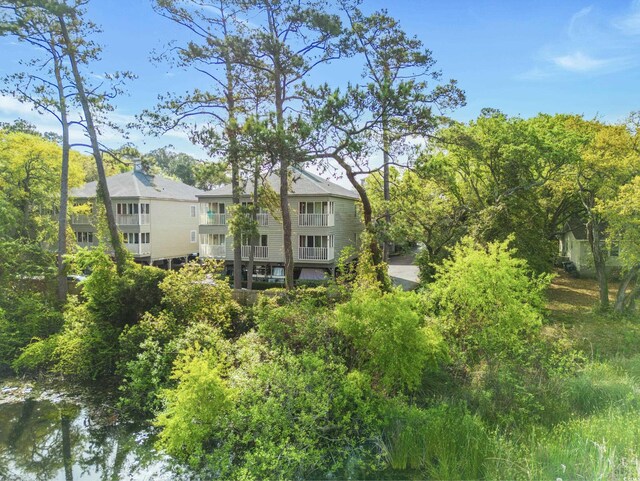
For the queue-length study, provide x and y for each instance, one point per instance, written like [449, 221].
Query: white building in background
[575, 252]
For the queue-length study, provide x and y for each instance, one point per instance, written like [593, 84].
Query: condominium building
[157, 216]
[324, 218]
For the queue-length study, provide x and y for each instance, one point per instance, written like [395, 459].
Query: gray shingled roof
[304, 183]
[578, 227]
[139, 184]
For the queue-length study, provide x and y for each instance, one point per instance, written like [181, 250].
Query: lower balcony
[214, 251]
[139, 249]
[259, 252]
[315, 253]
[81, 219]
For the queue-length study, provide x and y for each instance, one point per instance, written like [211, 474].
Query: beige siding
[170, 227]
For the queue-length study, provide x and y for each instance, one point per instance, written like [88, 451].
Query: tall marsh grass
[597, 436]
[445, 442]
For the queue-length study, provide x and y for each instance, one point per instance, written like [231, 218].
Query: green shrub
[194, 407]
[86, 348]
[198, 293]
[29, 315]
[392, 341]
[300, 417]
[148, 352]
[489, 304]
[120, 300]
[37, 356]
[296, 326]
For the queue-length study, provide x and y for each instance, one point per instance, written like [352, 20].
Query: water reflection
[42, 440]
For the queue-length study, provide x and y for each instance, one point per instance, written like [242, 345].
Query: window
[212, 239]
[145, 238]
[315, 240]
[84, 237]
[134, 237]
[262, 240]
[214, 208]
[131, 208]
[193, 237]
[613, 248]
[193, 212]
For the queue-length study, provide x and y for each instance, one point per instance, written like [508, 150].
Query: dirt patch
[573, 317]
[570, 296]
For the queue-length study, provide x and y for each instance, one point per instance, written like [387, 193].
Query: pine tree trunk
[103, 190]
[237, 241]
[253, 240]
[64, 186]
[386, 146]
[284, 186]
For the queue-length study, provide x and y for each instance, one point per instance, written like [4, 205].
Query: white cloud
[629, 24]
[10, 106]
[574, 23]
[580, 62]
[536, 73]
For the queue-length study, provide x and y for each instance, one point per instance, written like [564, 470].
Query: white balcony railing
[132, 219]
[215, 251]
[139, 249]
[315, 253]
[213, 219]
[259, 252]
[262, 218]
[81, 219]
[315, 220]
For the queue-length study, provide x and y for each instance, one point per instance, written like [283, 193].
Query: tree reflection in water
[47, 441]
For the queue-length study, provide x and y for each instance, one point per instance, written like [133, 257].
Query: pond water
[54, 432]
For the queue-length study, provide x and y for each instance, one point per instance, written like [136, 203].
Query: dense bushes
[87, 345]
[491, 309]
[392, 339]
[28, 310]
[197, 306]
[348, 379]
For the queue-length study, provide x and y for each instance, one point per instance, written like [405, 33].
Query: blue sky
[522, 57]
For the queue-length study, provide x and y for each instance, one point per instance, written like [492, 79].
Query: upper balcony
[139, 249]
[81, 219]
[315, 253]
[209, 218]
[316, 220]
[316, 214]
[132, 213]
[132, 219]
